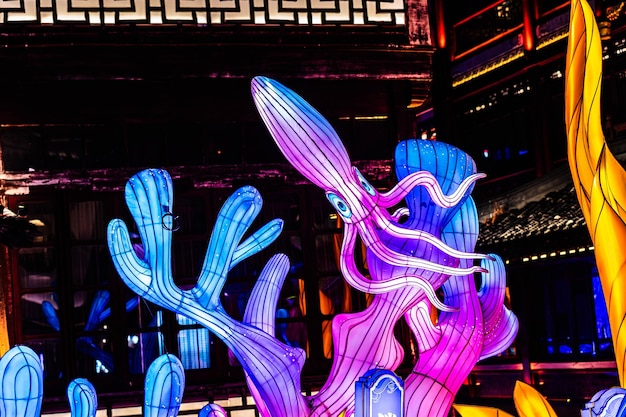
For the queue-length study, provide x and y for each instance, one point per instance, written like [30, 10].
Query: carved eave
[368, 39]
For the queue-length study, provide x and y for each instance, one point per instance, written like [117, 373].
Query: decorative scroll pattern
[203, 12]
[387, 385]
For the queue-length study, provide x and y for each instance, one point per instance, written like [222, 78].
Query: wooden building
[96, 90]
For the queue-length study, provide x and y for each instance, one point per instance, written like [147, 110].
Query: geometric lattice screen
[204, 12]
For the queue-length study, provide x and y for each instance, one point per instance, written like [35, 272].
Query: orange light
[528, 32]
[441, 25]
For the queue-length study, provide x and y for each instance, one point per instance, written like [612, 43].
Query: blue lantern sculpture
[21, 389]
[607, 403]
[164, 386]
[81, 395]
[212, 410]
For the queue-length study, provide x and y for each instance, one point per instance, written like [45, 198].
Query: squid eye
[339, 205]
[366, 185]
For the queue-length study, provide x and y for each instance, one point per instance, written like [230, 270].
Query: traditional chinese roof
[553, 223]
[540, 218]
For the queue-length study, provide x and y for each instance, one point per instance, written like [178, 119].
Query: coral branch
[441, 370]
[261, 308]
[273, 368]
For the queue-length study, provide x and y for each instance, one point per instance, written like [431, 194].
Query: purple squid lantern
[312, 146]
[410, 253]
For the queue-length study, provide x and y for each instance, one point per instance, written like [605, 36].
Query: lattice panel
[204, 12]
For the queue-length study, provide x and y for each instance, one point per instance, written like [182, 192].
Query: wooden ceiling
[68, 74]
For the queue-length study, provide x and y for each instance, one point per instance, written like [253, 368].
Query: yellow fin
[479, 411]
[530, 403]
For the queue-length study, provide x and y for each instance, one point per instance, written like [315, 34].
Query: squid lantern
[410, 253]
[313, 147]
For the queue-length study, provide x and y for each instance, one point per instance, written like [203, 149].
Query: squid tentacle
[427, 334]
[430, 183]
[361, 283]
[403, 233]
[402, 211]
[392, 257]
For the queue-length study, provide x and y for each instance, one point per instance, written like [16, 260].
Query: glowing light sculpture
[273, 368]
[610, 402]
[21, 384]
[164, 387]
[82, 398]
[598, 177]
[408, 261]
[479, 411]
[212, 410]
[480, 325]
[50, 313]
[530, 403]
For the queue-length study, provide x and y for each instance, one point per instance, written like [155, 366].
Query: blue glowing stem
[21, 387]
[130, 305]
[82, 398]
[98, 305]
[164, 387]
[212, 410]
